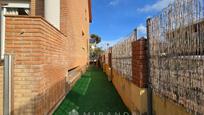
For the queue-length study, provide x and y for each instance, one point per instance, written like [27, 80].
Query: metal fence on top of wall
[122, 56]
[176, 43]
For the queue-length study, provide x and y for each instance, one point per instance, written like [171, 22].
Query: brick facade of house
[40, 64]
[74, 23]
[42, 55]
[37, 7]
[77, 29]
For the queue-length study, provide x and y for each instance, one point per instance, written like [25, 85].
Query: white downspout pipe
[7, 85]
[7, 65]
[3, 27]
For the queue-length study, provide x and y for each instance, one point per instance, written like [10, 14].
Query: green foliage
[94, 50]
[98, 51]
[96, 38]
[95, 53]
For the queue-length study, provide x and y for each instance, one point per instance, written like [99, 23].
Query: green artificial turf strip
[93, 94]
[82, 85]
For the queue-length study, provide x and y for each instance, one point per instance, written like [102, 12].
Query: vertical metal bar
[149, 87]
[3, 12]
[135, 34]
[7, 85]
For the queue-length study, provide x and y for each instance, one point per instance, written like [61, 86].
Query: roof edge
[90, 11]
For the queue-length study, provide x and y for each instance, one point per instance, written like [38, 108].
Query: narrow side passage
[93, 94]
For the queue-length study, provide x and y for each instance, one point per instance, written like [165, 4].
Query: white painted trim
[17, 5]
[0, 28]
[3, 31]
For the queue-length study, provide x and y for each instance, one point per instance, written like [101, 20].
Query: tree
[94, 50]
[98, 51]
[95, 38]
[95, 53]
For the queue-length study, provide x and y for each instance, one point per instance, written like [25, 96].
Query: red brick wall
[37, 8]
[63, 16]
[110, 59]
[74, 21]
[139, 63]
[41, 62]
[42, 54]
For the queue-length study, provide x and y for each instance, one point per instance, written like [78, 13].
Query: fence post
[110, 63]
[7, 85]
[149, 86]
[135, 33]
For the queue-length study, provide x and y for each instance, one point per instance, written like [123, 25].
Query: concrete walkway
[93, 94]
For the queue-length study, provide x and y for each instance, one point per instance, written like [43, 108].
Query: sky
[115, 19]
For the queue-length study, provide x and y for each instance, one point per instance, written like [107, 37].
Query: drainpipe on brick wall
[7, 85]
[149, 85]
[3, 20]
[7, 64]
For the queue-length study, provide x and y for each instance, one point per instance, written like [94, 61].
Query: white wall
[1, 23]
[52, 12]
